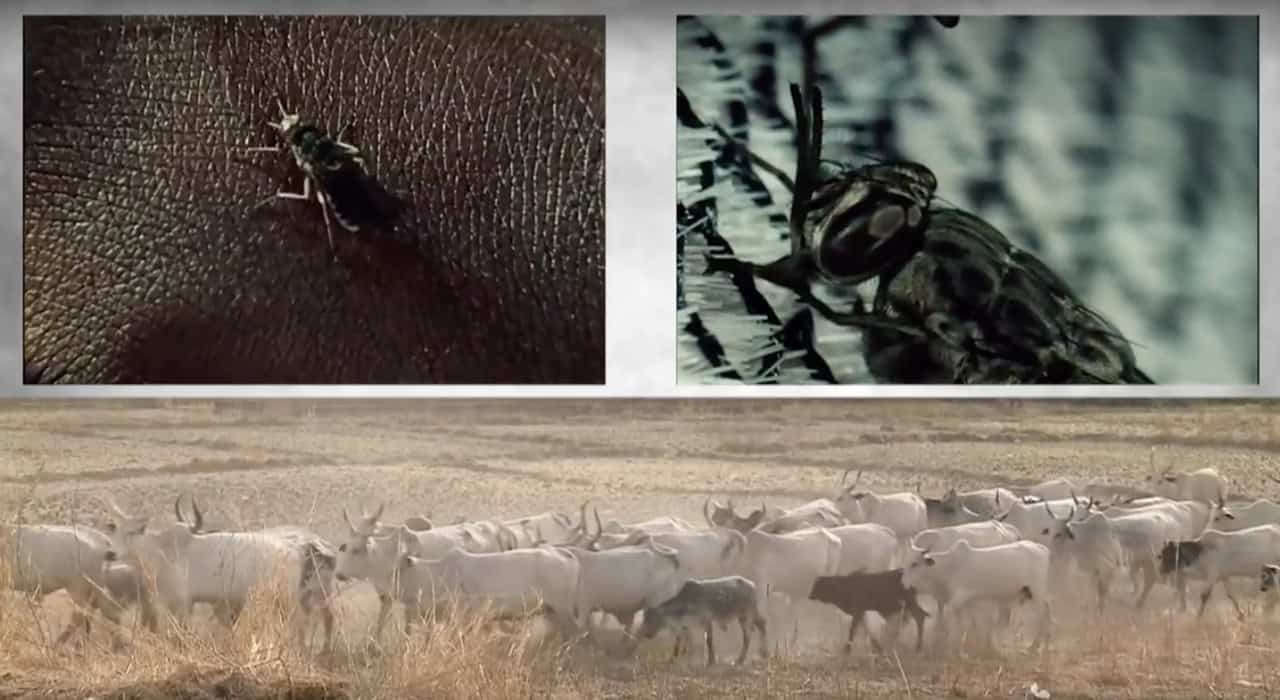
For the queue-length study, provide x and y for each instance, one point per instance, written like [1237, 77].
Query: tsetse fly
[337, 172]
[955, 301]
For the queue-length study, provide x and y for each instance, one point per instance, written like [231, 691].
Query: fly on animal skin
[955, 301]
[336, 172]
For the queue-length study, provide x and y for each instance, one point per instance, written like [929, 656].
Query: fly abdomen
[357, 200]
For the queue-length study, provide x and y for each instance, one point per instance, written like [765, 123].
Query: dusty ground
[281, 462]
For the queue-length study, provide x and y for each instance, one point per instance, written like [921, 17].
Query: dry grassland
[255, 464]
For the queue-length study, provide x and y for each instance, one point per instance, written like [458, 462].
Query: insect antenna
[808, 106]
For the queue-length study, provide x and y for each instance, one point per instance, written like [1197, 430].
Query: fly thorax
[306, 141]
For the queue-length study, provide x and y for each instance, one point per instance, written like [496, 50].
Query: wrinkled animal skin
[144, 261]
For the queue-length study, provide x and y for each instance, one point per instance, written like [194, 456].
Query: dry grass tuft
[462, 655]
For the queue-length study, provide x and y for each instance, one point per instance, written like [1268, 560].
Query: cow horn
[377, 514]
[599, 529]
[845, 477]
[198, 526]
[856, 480]
[177, 509]
[582, 517]
[706, 512]
[115, 509]
[347, 517]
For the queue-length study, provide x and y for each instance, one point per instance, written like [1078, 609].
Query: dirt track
[252, 465]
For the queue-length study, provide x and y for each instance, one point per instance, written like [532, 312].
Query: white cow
[664, 523]
[1260, 512]
[474, 536]
[1004, 573]
[513, 582]
[1203, 485]
[614, 533]
[790, 563]
[1142, 533]
[702, 553]
[371, 549]
[819, 513]
[1055, 489]
[955, 508]
[550, 527]
[986, 533]
[223, 568]
[43, 559]
[866, 547]
[1037, 521]
[904, 513]
[1092, 546]
[1219, 556]
[625, 580]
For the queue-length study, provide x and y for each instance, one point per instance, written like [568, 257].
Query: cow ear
[111, 527]
[928, 561]
[406, 561]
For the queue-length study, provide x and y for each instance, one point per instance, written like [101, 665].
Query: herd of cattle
[859, 551]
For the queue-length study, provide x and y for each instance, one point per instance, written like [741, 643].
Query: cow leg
[744, 621]
[1204, 599]
[1226, 587]
[413, 614]
[78, 620]
[1181, 582]
[1100, 583]
[1043, 628]
[384, 609]
[853, 628]
[1005, 617]
[628, 621]
[919, 615]
[112, 612]
[1149, 582]
[327, 617]
[711, 645]
[763, 626]
[942, 630]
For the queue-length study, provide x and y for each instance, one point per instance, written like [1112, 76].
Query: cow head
[1270, 577]
[727, 516]
[131, 534]
[850, 490]
[367, 523]
[654, 620]
[1060, 530]
[355, 554]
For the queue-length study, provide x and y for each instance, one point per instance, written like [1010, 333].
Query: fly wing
[358, 200]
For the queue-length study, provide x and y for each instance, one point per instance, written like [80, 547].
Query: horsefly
[337, 172]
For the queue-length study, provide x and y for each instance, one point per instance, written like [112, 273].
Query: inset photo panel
[313, 200]
[968, 200]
